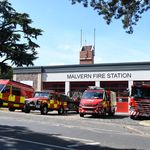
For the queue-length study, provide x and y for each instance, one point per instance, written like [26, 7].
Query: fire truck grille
[90, 105]
[144, 106]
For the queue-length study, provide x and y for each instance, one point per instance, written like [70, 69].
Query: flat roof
[126, 66]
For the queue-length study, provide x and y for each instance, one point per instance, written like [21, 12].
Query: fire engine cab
[140, 101]
[97, 101]
[13, 94]
[45, 101]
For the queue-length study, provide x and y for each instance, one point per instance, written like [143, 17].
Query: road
[20, 131]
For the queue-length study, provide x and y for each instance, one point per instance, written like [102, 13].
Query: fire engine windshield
[141, 92]
[1, 87]
[41, 94]
[92, 94]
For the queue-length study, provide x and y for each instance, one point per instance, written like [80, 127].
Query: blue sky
[62, 24]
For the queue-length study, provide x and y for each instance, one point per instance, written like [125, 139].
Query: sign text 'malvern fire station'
[99, 75]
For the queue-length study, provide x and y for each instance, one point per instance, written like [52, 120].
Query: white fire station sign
[97, 76]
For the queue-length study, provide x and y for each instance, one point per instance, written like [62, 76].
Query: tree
[7, 74]
[17, 37]
[130, 11]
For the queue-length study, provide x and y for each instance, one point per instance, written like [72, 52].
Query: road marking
[37, 143]
[81, 144]
[73, 138]
[95, 143]
[80, 141]
[137, 131]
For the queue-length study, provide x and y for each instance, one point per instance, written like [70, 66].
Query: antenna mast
[81, 39]
[94, 37]
[94, 40]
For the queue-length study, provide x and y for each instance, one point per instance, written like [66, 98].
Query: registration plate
[89, 111]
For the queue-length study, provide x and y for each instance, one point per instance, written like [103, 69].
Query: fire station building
[117, 77]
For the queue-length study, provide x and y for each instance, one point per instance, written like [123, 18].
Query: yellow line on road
[145, 123]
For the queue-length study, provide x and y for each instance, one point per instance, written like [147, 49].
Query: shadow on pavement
[108, 117]
[54, 113]
[142, 118]
[20, 138]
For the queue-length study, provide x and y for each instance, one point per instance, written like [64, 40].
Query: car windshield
[90, 94]
[1, 87]
[141, 92]
[41, 94]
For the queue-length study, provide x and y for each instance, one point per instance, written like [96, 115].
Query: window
[16, 91]
[6, 89]
[92, 95]
[41, 94]
[140, 92]
[1, 87]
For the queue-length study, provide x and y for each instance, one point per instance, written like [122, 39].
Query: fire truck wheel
[81, 115]
[132, 117]
[60, 110]
[44, 110]
[1, 103]
[11, 109]
[26, 109]
[77, 111]
[111, 113]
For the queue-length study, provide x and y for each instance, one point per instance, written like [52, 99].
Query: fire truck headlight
[38, 102]
[26, 101]
[80, 105]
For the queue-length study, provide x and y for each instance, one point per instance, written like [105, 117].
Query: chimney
[87, 55]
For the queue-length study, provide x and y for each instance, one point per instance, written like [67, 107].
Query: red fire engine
[13, 94]
[97, 101]
[140, 101]
[45, 101]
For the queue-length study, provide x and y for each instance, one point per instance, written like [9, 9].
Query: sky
[62, 23]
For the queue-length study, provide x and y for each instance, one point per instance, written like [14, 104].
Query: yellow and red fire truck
[46, 101]
[13, 94]
[140, 101]
[97, 101]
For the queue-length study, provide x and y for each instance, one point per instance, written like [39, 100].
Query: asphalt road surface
[20, 131]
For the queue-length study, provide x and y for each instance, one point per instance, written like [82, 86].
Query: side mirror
[78, 98]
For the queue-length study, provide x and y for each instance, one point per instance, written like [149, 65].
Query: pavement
[143, 122]
[5, 109]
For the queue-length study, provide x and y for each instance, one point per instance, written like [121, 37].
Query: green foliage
[5, 72]
[16, 38]
[129, 11]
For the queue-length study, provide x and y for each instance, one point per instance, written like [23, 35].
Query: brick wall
[86, 55]
[28, 77]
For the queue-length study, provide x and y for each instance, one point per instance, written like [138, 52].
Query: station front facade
[118, 77]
